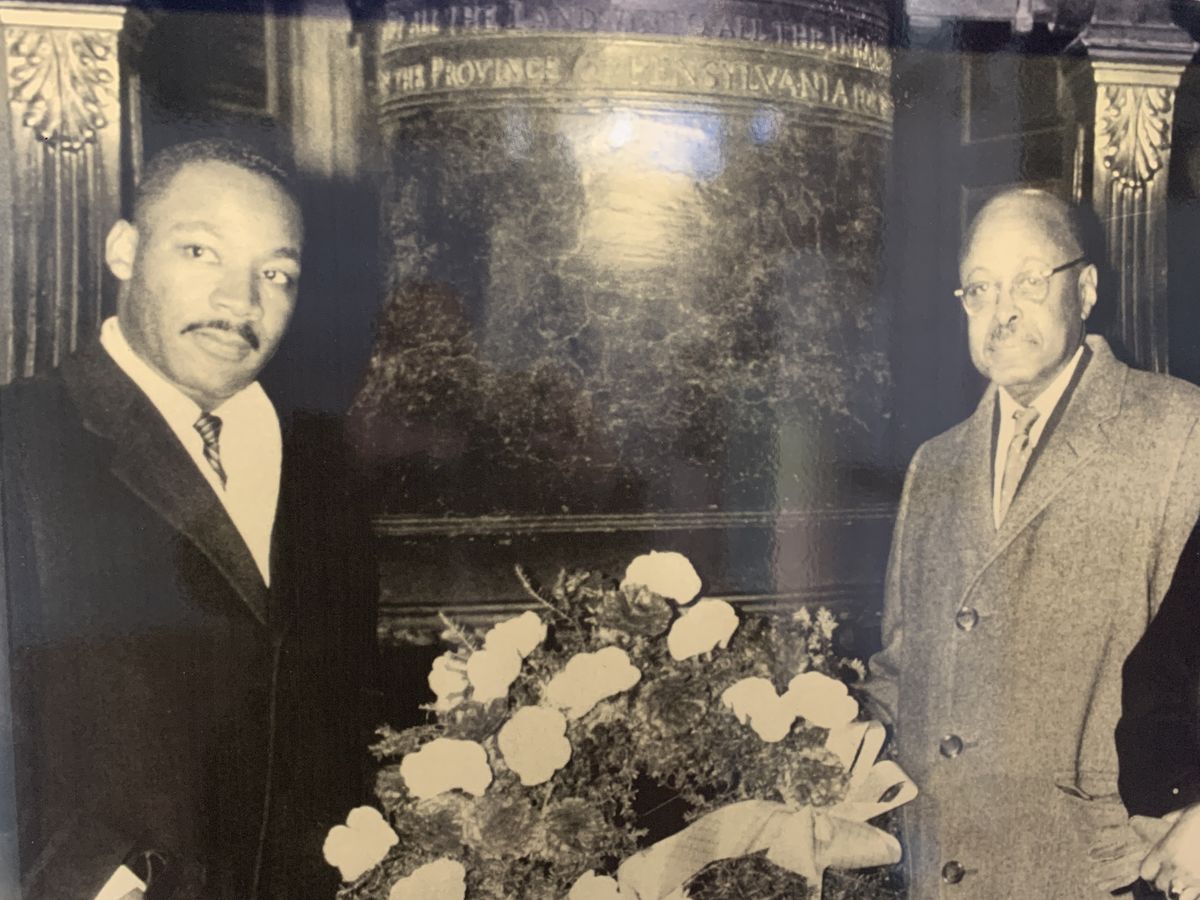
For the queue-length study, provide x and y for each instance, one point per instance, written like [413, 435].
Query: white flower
[534, 743]
[448, 679]
[492, 672]
[591, 886]
[666, 574]
[754, 701]
[589, 678]
[823, 701]
[442, 879]
[523, 633]
[445, 764]
[360, 844]
[708, 624]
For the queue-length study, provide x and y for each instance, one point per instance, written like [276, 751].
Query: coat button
[953, 872]
[951, 745]
[966, 618]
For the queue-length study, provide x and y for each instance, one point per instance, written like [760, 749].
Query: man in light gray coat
[1034, 542]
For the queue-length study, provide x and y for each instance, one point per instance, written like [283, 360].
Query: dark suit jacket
[1158, 737]
[163, 698]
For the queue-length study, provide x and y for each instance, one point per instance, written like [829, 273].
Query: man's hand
[1118, 847]
[1173, 865]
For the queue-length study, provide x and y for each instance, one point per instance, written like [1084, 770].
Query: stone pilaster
[1134, 109]
[70, 136]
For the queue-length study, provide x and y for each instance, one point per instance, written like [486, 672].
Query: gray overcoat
[1002, 655]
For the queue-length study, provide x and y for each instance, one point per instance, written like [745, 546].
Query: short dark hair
[168, 162]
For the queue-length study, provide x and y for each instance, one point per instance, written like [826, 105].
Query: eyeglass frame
[960, 293]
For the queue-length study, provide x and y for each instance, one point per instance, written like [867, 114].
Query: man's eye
[1029, 283]
[198, 251]
[279, 277]
[977, 290]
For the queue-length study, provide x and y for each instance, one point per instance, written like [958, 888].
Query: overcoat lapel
[150, 461]
[972, 528]
[1078, 436]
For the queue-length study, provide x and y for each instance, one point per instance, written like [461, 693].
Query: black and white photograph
[600, 450]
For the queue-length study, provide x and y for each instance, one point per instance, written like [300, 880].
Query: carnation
[445, 764]
[669, 575]
[589, 678]
[443, 879]
[591, 886]
[704, 627]
[754, 702]
[492, 671]
[448, 680]
[360, 844]
[824, 701]
[534, 743]
[523, 633]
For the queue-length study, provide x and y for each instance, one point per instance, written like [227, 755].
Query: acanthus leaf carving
[63, 82]
[1134, 136]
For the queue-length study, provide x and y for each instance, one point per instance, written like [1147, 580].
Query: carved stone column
[70, 134]
[1134, 108]
[1137, 57]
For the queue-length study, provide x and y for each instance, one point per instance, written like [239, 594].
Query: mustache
[1006, 331]
[245, 330]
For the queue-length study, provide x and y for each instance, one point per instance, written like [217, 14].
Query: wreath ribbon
[802, 839]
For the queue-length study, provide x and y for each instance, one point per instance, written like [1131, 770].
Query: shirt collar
[1045, 402]
[180, 410]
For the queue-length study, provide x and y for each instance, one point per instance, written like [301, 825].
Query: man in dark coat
[1158, 737]
[180, 670]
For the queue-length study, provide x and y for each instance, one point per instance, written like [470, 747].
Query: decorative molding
[74, 16]
[421, 624]
[392, 526]
[1133, 120]
[67, 82]
[71, 107]
[1134, 111]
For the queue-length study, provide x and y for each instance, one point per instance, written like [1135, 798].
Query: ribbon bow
[805, 839]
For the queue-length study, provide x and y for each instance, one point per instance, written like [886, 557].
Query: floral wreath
[549, 726]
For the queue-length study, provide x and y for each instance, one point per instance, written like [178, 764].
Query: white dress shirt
[250, 444]
[1045, 403]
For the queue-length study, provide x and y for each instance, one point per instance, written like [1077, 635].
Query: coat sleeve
[883, 682]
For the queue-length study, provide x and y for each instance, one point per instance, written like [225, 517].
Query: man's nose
[237, 292]
[1007, 309]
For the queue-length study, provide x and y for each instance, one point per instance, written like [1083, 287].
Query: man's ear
[120, 249]
[1088, 279]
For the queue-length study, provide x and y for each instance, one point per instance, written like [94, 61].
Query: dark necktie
[209, 427]
[1018, 456]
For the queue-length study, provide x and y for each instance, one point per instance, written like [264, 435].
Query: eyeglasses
[1027, 287]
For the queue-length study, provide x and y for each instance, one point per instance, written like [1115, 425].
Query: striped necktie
[1018, 456]
[209, 427]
